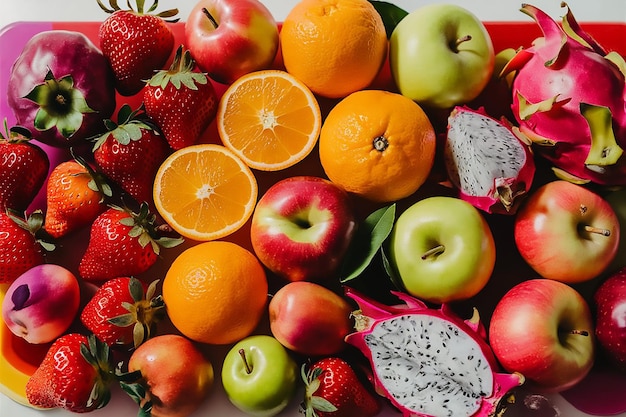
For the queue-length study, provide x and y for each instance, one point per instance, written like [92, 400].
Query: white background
[59, 10]
[88, 10]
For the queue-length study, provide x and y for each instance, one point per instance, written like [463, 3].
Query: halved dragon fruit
[429, 362]
[568, 98]
[490, 166]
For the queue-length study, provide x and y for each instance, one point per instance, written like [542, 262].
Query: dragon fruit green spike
[490, 166]
[568, 98]
[429, 362]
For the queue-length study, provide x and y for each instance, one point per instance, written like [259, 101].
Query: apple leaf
[391, 272]
[367, 241]
[390, 13]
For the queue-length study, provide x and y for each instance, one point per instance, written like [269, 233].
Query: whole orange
[377, 144]
[335, 47]
[215, 292]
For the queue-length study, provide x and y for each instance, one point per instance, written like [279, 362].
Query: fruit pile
[357, 210]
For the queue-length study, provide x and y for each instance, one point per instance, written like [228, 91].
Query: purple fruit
[42, 303]
[61, 88]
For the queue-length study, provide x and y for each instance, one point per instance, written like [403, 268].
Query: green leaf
[390, 13]
[391, 272]
[136, 289]
[367, 241]
[322, 404]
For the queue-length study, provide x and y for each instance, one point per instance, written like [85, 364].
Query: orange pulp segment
[269, 119]
[205, 192]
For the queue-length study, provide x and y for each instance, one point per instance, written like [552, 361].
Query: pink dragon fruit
[568, 98]
[429, 362]
[490, 166]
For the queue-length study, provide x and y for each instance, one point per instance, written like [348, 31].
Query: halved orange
[205, 192]
[270, 119]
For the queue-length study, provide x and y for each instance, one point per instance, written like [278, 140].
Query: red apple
[42, 303]
[567, 232]
[543, 329]
[610, 303]
[230, 38]
[174, 373]
[302, 227]
[310, 319]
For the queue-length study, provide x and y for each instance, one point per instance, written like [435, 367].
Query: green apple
[442, 249]
[259, 376]
[441, 55]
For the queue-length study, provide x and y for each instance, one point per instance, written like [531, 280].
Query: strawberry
[75, 196]
[131, 152]
[123, 312]
[122, 243]
[20, 244]
[23, 168]
[75, 374]
[136, 43]
[181, 100]
[334, 389]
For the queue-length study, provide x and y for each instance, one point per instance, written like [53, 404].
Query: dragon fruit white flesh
[490, 166]
[568, 98]
[429, 362]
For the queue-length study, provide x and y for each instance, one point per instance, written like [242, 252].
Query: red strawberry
[119, 313]
[75, 374]
[136, 43]
[333, 389]
[75, 197]
[122, 243]
[182, 101]
[20, 247]
[131, 152]
[23, 168]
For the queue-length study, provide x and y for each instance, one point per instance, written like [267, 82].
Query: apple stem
[242, 353]
[603, 232]
[461, 40]
[210, 16]
[580, 332]
[437, 250]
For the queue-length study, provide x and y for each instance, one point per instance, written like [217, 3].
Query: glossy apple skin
[550, 237]
[617, 200]
[245, 40]
[50, 298]
[301, 228]
[530, 332]
[424, 66]
[178, 377]
[610, 314]
[462, 269]
[310, 319]
[272, 382]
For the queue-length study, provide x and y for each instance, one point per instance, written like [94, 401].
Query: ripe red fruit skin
[71, 202]
[131, 152]
[340, 386]
[19, 250]
[113, 251]
[66, 378]
[610, 304]
[127, 298]
[62, 53]
[182, 113]
[136, 45]
[23, 170]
